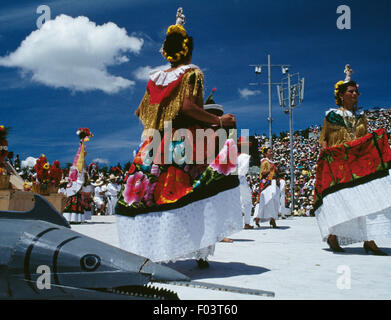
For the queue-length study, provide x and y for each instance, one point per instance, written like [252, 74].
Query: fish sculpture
[42, 258]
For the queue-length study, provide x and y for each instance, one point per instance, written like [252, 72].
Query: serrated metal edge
[217, 287]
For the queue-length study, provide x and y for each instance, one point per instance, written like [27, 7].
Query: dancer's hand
[228, 120]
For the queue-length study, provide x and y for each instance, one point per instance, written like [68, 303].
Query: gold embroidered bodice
[153, 116]
[267, 169]
[339, 129]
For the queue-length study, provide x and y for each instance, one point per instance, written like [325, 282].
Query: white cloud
[29, 162]
[74, 53]
[99, 160]
[245, 93]
[142, 73]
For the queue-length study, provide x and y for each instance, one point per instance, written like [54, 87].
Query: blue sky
[52, 85]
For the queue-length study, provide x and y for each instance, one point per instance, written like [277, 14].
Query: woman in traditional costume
[269, 193]
[170, 208]
[352, 202]
[74, 208]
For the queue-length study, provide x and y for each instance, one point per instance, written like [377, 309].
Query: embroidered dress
[74, 208]
[168, 208]
[269, 193]
[353, 180]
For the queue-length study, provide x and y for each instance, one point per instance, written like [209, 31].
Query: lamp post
[258, 70]
[294, 91]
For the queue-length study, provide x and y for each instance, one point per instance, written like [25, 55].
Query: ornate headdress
[84, 134]
[178, 27]
[348, 72]
[78, 165]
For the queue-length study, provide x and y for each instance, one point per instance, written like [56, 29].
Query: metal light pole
[258, 70]
[293, 91]
[269, 70]
[292, 163]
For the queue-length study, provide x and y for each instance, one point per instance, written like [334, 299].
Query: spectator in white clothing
[113, 188]
[99, 197]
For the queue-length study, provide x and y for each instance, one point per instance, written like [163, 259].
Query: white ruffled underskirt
[357, 214]
[183, 233]
[74, 217]
[269, 203]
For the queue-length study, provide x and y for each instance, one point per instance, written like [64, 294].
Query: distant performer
[269, 192]
[353, 184]
[348, 72]
[180, 17]
[74, 208]
[87, 193]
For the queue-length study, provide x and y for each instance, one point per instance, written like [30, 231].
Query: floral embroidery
[227, 160]
[153, 186]
[155, 170]
[172, 185]
[335, 118]
[132, 168]
[149, 194]
[142, 153]
[351, 162]
[136, 187]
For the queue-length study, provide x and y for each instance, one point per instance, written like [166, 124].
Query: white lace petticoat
[357, 214]
[74, 217]
[183, 233]
[269, 203]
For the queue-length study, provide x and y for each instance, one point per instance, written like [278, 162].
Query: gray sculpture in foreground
[41, 258]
